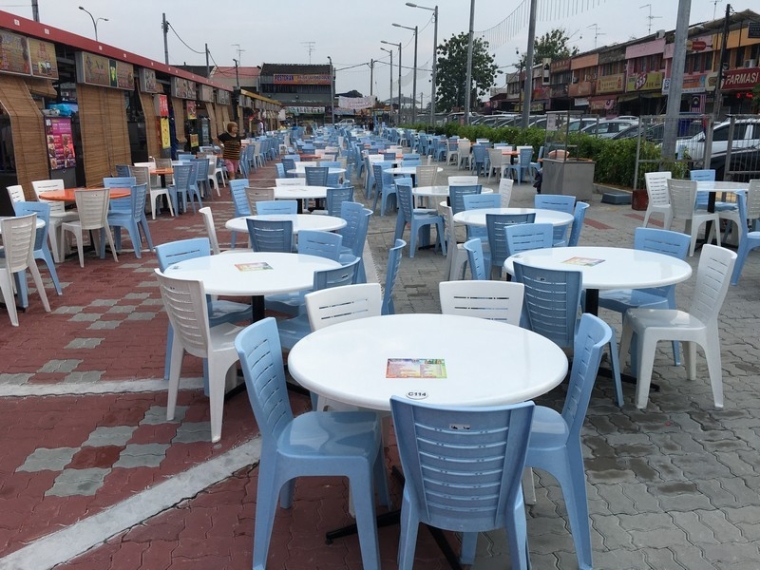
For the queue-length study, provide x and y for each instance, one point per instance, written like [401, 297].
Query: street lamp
[414, 84]
[94, 21]
[332, 96]
[435, 49]
[398, 45]
[390, 82]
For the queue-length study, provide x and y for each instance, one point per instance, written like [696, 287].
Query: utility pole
[208, 68]
[332, 90]
[390, 83]
[237, 77]
[165, 29]
[35, 11]
[528, 87]
[676, 80]
[721, 64]
[468, 78]
[310, 47]
[371, 76]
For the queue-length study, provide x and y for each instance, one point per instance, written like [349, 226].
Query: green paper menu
[416, 368]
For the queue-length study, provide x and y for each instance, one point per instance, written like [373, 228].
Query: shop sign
[559, 91]
[610, 83]
[206, 93]
[183, 89]
[42, 56]
[306, 110]
[741, 78]
[692, 83]
[161, 105]
[581, 102]
[14, 54]
[222, 97]
[581, 89]
[602, 104]
[560, 65]
[645, 81]
[300, 79]
[147, 78]
[166, 141]
[537, 106]
[541, 93]
[59, 143]
[585, 61]
[190, 110]
[104, 72]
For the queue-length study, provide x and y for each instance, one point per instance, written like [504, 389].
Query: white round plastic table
[301, 172]
[607, 268]
[252, 274]
[439, 191]
[406, 170]
[300, 192]
[484, 362]
[477, 217]
[300, 222]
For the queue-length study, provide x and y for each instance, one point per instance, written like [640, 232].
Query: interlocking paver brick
[118, 435]
[104, 325]
[89, 376]
[142, 455]
[60, 366]
[84, 343]
[192, 431]
[54, 459]
[85, 317]
[157, 415]
[78, 482]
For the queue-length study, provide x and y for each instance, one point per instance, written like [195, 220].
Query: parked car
[746, 135]
[608, 128]
[745, 164]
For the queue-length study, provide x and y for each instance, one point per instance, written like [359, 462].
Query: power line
[183, 41]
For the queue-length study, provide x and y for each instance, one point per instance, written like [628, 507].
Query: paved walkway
[92, 475]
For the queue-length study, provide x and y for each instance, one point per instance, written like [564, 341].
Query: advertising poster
[14, 53]
[60, 145]
[165, 138]
[42, 55]
[190, 109]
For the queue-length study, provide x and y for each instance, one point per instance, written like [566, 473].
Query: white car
[746, 135]
[607, 129]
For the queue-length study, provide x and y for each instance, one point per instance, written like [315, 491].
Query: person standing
[231, 144]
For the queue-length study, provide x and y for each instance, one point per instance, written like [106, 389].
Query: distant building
[304, 90]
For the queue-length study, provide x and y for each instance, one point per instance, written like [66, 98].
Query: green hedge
[615, 159]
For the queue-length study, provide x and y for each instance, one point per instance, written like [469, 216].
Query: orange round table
[309, 156]
[67, 195]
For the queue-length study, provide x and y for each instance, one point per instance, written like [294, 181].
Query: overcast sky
[303, 31]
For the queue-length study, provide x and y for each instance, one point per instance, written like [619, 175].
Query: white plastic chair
[497, 162]
[254, 195]
[698, 326]
[92, 206]
[328, 307]
[58, 215]
[18, 244]
[683, 196]
[426, 175]
[16, 193]
[494, 300]
[215, 173]
[185, 303]
[456, 256]
[142, 176]
[465, 148]
[505, 189]
[462, 180]
[208, 222]
[289, 182]
[659, 198]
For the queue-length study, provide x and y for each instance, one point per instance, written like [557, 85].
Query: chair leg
[266, 507]
[109, 237]
[615, 364]
[217, 374]
[34, 270]
[48, 259]
[410, 525]
[6, 286]
[646, 348]
[177, 352]
[364, 502]
[711, 348]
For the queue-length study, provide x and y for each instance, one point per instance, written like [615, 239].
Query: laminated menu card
[416, 368]
[585, 261]
[255, 266]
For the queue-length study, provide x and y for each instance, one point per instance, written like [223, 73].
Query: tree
[552, 45]
[452, 71]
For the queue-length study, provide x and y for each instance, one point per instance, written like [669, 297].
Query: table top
[300, 192]
[40, 222]
[162, 171]
[348, 362]
[232, 273]
[620, 267]
[721, 186]
[300, 222]
[477, 217]
[408, 170]
[67, 195]
[302, 171]
[438, 191]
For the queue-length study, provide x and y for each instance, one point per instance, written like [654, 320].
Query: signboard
[104, 72]
[206, 93]
[190, 110]
[644, 81]
[148, 83]
[602, 103]
[692, 83]
[741, 78]
[356, 102]
[42, 56]
[560, 65]
[581, 89]
[60, 145]
[165, 138]
[610, 83]
[14, 54]
[753, 30]
[306, 110]
[223, 97]
[301, 79]
[183, 89]
[161, 105]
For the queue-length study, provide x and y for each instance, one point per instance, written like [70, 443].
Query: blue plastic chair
[239, 202]
[41, 249]
[122, 171]
[478, 159]
[463, 468]
[394, 262]
[181, 186]
[555, 439]
[313, 443]
[130, 220]
[556, 202]
[551, 308]
[316, 175]
[537, 165]
[193, 190]
[578, 217]
[666, 242]
[125, 204]
[749, 240]
[322, 244]
[276, 207]
[523, 165]
[354, 235]
[476, 202]
[200, 182]
[280, 170]
[704, 175]
[418, 219]
[476, 259]
[219, 312]
[385, 186]
[288, 164]
[497, 236]
[525, 237]
[335, 198]
[457, 194]
[270, 235]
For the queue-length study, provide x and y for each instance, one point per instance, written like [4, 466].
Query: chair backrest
[524, 237]
[141, 174]
[666, 242]
[457, 192]
[578, 217]
[208, 222]
[322, 244]
[239, 198]
[280, 170]
[557, 202]
[175, 251]
[119, 182]
[335, 198]
[496, 225]
[394, 262]
[525, 156]
[505, 190]
[276, 207]
[201, 169]
[552, 300]
[92, 206]
[18, 241]
[332, 306]
[462, 180]
[123, 170]
[462, 465]
[592, 336]
[42, 210]
[480, 201]
[405, 201]
[713, 277]
[185, 303]
[357, 224]
[683, 196]
[137, 199]
[182, 176]
[260, 352]
[42, 186]
[426, 175]
[753, 199]
[16, 193]
[316, 175]
[289, 182]
[705, 175]
[475, 258]
[494, 300]
[270, 235]
[336, 277]
[657, 187]
[479, 153]
[254, 195]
